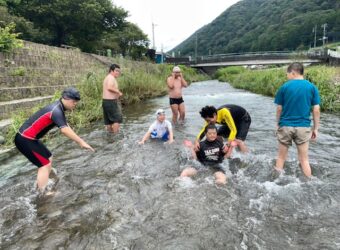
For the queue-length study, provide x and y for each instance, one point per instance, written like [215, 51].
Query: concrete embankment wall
[32, 74]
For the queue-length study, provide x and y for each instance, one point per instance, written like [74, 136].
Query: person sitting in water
[210, 153]
[160, 129]
[235, 122]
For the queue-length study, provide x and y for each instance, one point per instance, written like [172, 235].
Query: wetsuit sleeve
[228, 119]
[58, 117]
[201, 134]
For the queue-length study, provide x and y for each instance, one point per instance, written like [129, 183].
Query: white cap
[176, 69]
[160, 111]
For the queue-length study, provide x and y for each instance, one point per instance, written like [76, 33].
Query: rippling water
[126, 196]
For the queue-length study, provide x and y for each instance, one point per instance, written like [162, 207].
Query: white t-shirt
[158, 129]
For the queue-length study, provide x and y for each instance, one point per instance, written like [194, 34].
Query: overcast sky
[174, 20]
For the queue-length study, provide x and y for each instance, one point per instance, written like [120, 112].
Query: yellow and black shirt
[229, 115]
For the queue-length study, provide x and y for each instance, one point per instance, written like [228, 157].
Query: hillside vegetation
[266, 25]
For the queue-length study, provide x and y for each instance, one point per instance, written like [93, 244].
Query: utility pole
[314, 30]
[196, 49]
[324, 34]
[153, 36]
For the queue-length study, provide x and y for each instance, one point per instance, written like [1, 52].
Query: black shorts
[242, 128]
[112, 112]
[177, 101]
[34, 150]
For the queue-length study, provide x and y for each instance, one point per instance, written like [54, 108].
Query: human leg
[220, 178]
[188, 172]
[242, 146]
[43, 175]
[174, 109]
[115, 127]
[281, 158]
[303, 158]
[181, 109]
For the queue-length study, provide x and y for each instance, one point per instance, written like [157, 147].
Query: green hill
[265, 25]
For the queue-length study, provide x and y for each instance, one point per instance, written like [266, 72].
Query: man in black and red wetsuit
[27, 139]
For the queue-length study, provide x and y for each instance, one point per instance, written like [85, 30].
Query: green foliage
[267, 82]
[8, 39]
[20, 71]
[228, 74]
[139, 81]
[266, 25]
[86, 24]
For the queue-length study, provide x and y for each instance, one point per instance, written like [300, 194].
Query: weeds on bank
[267, 82]
[139, 81]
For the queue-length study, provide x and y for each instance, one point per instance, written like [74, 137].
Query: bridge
[211, 63]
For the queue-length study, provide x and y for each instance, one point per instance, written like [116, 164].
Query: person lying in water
[210, 153]
[159, 129]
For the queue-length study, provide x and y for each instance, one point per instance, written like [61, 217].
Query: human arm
[145, 138]
[278, 115]
[68, 132]
[171, 136]
[170, 82]
[229, 121]
[183, 81]
[199, 137]
[316, 121]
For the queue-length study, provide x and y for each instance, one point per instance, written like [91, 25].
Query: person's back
[297, 97]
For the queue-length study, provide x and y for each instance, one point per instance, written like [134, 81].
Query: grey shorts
[299, 135]
[112, 112]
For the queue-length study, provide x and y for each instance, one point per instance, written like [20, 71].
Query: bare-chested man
[111, 106]
[175, 84]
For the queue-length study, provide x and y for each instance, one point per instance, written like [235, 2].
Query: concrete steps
[9, 107]
[8, 94]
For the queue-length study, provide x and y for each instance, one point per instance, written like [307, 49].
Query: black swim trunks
[112, 111]
[34, 150]
[177, 101]
[242, 127]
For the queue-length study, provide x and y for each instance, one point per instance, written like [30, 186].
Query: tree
[79, 23]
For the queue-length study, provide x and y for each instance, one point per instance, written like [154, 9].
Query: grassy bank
[267, 82]
[138, 81]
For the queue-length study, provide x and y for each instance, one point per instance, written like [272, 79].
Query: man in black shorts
[175, 84]
[235, 122]
[211, 153]
[27, 139]
[111, 105]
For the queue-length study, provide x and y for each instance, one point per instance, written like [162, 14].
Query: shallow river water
[127, 196]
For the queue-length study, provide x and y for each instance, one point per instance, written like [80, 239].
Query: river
[127, 196]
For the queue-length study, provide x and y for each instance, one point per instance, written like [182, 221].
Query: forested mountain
[265, 25]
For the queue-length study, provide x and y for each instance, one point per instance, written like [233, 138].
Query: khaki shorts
[299, 135]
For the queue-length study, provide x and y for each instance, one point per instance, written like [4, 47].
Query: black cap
[71, 93]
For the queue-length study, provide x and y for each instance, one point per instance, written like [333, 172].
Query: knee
[220, 178]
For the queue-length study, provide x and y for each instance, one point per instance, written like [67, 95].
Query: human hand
[141, 142]
[197, 146]
[314, 134]
[83, 144]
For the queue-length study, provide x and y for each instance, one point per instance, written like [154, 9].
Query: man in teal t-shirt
[295, 99]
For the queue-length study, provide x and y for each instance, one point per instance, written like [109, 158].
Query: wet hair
[208, 111]
[296, 67]
[211, 126]
[113, 67]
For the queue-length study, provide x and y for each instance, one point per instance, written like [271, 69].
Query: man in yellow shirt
[235, 122]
